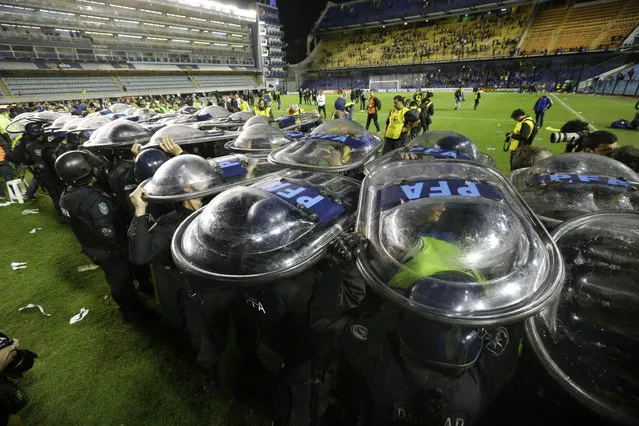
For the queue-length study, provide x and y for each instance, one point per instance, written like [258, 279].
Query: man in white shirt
[321, 103]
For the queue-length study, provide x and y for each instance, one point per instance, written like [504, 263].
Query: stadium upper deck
[371, 33]
[127, 30]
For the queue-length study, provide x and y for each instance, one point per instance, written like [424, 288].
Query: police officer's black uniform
[40, 152]
[407, 392]
[426, 113]
[202, 312]
[273, 325]
[92, 213]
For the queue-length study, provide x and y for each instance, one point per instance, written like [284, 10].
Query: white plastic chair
[17, 188]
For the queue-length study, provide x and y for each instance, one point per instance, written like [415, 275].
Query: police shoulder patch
[497, 341]
[359, 332]
[104, 209]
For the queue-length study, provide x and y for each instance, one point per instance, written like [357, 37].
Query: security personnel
[92, 213]
[40, 154]
[244, 106]
[397, 131]
[459, 98]
[203, 315]
[416, 371]
[412, 116]
[262, 109]
[294, 109]
[374, 104]
[427, 111]
[476, 97]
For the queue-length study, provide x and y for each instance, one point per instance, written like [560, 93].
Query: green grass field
[103, 372]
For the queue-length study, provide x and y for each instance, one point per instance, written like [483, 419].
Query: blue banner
[578, 178]
[308, 197]
[231, 167]
[391, 196]
[345, 140]
[269, 15]
[439, 153]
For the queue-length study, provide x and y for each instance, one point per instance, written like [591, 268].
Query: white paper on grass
[8, 203]
[18, 265]
[31, 305]
[30, 211]
[34, 230]
[79, 317]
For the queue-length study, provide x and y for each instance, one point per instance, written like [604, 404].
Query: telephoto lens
[557, 137]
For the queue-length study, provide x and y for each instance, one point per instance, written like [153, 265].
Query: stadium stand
[475, 36]
[87, 30]
[49, 85]
[581, 27]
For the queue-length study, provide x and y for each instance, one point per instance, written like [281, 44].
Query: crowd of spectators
[483, 35]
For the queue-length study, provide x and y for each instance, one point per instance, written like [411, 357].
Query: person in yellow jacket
[523, 134]
[295, 109]
[262, 109]
[430, 255]
[244, 106]
[396, 133]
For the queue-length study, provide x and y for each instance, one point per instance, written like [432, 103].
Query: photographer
[13, 362]
[523, 133]
[573, 133]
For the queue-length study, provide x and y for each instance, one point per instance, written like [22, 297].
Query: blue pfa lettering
[345, 140]
[309, 197]
[579, 178]
[439, 153]
[395, 194]
[231, 168]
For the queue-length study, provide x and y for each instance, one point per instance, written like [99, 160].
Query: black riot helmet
[446, 348]
[459, 143]
[74, 168]
[148, 162]
[34, 129]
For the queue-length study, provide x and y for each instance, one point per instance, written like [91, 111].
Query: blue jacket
[542, 104]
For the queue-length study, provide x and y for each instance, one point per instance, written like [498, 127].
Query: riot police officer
[40, 153]
[92, 214]
[444, 237]
[201, 312]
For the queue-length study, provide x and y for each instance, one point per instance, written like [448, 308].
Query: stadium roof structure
[361, 13]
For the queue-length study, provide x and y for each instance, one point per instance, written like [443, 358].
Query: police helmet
[459, 143]
[446, 348]
[74, 168]
[34, 129]
[148, 162]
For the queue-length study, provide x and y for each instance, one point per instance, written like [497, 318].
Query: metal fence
[613, 87]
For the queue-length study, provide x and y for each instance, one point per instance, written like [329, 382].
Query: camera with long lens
[568, 137]
[23, 361]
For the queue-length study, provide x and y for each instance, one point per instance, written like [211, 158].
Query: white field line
[581, 117]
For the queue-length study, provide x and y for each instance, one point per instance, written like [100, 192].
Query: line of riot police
[417, 287]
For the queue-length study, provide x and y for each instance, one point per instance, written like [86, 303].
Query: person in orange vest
[374, 104]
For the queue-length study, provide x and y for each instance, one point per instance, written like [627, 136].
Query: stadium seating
[485, 35]
[51, 85]
[209, 82]
[581, 27]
